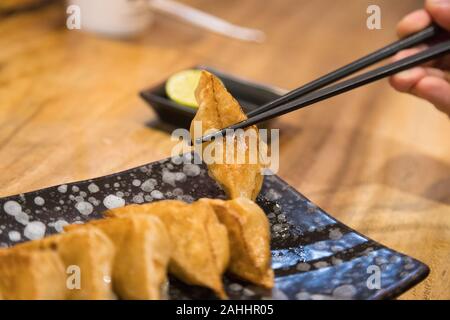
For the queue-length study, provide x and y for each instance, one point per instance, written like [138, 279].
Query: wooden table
[377, 160]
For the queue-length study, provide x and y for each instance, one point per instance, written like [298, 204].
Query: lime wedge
[181, 86]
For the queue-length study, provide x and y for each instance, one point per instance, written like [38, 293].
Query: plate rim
[395, 290]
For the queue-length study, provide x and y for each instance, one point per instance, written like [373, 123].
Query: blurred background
[375, 159]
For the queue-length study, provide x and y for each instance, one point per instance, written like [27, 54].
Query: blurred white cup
[125, 18]
[116, 18]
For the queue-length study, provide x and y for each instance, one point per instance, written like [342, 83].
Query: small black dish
[250, 95]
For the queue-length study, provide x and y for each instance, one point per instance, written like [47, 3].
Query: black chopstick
[341, 87]
[364, 62]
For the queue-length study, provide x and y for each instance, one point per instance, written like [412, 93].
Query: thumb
[440, 11]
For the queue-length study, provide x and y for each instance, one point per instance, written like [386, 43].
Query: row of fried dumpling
[131, 250]
[96, 257]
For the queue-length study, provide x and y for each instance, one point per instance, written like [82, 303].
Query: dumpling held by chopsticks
[217, 110]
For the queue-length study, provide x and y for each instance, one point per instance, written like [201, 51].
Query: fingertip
[413, 22]
[435, 90]
[406, 53]
[439, 11]
[407, 79]
[393, 81]
[400, 84]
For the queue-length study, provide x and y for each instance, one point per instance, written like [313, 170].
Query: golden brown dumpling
[217, 110]
[249, 234]
[201, 249]
[143, 249]
[31, 275]
[88, 249]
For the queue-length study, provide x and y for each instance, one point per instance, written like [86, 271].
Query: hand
[431, 81]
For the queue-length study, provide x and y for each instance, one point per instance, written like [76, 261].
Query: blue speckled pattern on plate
[313, 255]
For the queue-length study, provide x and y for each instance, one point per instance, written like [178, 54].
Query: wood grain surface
[375, 159]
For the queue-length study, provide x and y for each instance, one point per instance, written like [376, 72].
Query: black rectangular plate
[314, 256]
[249, 94]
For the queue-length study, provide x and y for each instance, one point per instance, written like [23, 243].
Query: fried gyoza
[88, 249]
[143, 250]
[31, 275]
[217, 110]
[249, 234]
[201, 249]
